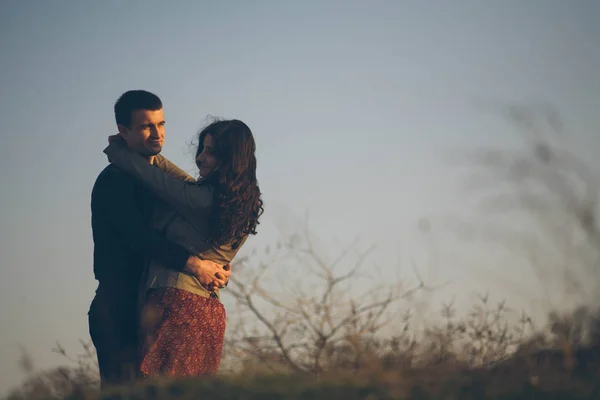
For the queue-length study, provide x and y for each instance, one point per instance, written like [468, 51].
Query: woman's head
[226, 158]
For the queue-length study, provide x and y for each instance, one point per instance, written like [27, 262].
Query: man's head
[141, 122]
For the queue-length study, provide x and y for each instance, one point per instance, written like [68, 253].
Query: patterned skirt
[181, 334]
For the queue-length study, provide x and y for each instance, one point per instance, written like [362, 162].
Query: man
[123, 240]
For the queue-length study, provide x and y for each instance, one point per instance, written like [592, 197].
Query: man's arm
[113, 199]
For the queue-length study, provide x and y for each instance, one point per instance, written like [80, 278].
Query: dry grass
[462, 358]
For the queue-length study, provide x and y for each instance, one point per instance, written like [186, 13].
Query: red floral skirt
[181, 333]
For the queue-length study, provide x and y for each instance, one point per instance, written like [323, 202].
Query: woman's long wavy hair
[238, 203]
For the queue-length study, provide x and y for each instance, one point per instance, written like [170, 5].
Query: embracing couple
[163, 242]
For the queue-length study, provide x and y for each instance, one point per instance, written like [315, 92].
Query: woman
[182, 323]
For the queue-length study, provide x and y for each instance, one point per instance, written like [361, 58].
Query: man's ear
[123, 130]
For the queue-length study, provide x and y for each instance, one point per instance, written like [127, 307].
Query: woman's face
[206, 160]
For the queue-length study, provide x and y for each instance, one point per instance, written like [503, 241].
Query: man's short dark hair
[133, 100]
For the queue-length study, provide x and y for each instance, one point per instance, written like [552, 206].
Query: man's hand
[210, 274]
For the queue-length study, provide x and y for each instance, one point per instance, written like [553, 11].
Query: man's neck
[145, 157]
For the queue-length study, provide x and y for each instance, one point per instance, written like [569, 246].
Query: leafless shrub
[485, 335]
[331, 320]
[324, 317]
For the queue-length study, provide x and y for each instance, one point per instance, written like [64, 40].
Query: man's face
[146, 134]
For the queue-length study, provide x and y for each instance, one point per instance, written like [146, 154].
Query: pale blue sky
[352, 104]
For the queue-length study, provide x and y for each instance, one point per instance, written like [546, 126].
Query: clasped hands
[211, 275]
